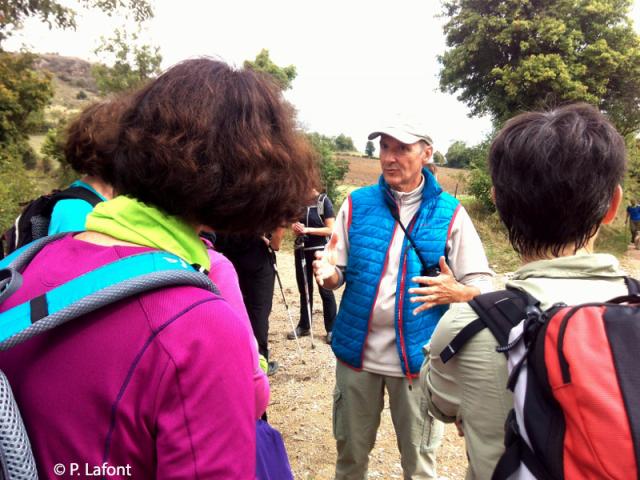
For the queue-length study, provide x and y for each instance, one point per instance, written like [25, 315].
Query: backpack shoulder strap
[320, 205]
[633, 285]
[20, 258]
[498, 311]
[86, 293]
[79, 193]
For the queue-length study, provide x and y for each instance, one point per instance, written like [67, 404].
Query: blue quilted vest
[370, 233]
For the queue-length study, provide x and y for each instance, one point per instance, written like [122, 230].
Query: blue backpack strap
[103, 286]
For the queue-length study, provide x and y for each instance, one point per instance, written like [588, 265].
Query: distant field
[365, 171]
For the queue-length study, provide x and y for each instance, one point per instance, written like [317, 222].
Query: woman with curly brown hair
[163, 381]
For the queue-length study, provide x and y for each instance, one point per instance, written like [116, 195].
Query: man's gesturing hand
[324, 267]
[440, 290]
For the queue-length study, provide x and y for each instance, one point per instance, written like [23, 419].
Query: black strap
[516, 453]
[39, 308]
[79, 193]
[463, 336]
[498, 311]
[633, 285]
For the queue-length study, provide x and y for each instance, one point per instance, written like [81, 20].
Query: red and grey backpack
[575, 375]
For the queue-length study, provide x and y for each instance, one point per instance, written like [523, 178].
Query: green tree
[332, 169]
[506, 56]
[438, 158]
[632, 178]
[15, 185]
[23, 93]
[263, 63]
[344, 144]
[369, 149]
[479, 179]
[133, 64]
[55, 13]
[459, 155]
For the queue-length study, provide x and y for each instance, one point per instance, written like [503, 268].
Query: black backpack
[33, 222]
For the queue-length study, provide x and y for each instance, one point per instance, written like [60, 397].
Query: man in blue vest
[379, 333]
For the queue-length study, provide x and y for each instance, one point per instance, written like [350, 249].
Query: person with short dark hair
[89, 147]
[556, 179]
[163, 381]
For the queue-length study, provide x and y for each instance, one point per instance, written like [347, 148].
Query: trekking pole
[303, 263]
[284, 299]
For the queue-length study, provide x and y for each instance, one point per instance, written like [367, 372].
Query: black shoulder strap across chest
[80, 193]
[498, 311]
[501, 311]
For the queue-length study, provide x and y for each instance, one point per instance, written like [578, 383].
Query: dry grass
[365, 171]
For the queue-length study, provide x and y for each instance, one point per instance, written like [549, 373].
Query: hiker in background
[252, 257]
[378, 334]
[163, 381]
[577, 160]
[91, 139]
[633, 217]
[312, 231]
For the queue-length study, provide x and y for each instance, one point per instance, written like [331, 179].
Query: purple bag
[272, 462]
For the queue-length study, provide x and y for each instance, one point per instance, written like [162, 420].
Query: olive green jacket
[471, 387]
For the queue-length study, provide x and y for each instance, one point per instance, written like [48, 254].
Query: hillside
[365, 171]
[74, 86]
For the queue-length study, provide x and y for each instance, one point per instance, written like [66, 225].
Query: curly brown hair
[215, 146]
[92, 138]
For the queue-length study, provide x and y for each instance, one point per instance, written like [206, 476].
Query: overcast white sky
[361, 64]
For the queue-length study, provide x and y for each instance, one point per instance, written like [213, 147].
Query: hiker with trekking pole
[274, 261]
[312, 231]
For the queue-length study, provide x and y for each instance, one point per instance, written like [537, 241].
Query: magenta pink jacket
[162, 382]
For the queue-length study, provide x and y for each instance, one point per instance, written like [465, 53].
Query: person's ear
[616, 199]
[427, 153]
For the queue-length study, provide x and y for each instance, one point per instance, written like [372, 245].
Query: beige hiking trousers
[358, 401]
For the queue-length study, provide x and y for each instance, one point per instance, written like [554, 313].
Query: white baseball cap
[403, 133]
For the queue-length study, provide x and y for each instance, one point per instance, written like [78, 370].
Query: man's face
[402, 163]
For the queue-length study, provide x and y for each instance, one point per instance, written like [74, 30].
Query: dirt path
[301, 395]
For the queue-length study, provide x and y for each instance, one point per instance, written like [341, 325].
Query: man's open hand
[324, 266]
[441, 290]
